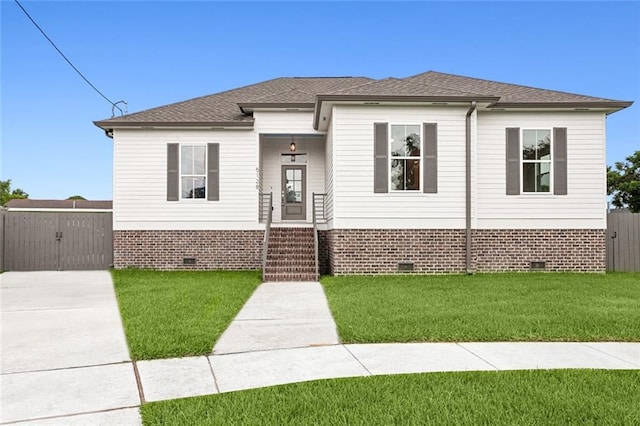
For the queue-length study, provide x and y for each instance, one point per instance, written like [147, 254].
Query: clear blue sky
[155, 53]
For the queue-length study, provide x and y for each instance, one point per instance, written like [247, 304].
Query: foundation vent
[188, 260]
[538, 266]
[405, 266]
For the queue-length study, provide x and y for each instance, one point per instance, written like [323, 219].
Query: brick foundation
[576, 250]
[323, 253]
[165, 250]
[372, 251]
[378, 251]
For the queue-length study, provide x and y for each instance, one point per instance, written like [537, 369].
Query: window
[536, 160]
[193, 171]
[406, 148]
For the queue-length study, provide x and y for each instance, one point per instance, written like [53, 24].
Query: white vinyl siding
[280, 122]
[328, 179]
[355, 203]
[585, 204]
[140, 181]
[343, 168]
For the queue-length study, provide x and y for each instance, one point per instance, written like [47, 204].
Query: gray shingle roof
[396, 87]
[289, 96]
[508, 93]
[224, 108]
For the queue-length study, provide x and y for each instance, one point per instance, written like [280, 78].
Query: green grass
[170, 314]
[497, 398]
[486, 307]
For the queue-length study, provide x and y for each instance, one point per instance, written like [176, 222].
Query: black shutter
[173, 177]
[380, 161]
[513, 161]
[430, 157]
[560, 160]
[213, 172]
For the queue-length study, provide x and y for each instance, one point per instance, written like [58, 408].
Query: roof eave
[110, 125]
[612, 105]
[246, 107]
[394, 98]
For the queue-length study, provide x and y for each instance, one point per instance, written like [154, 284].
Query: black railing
[318, 217]
[265, 214]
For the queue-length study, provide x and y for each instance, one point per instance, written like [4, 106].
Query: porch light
[292, 147]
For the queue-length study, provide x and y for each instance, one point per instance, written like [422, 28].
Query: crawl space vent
[405, 266]
[538, 266]
[188, 260]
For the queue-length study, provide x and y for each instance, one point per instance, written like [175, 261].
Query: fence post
[2, 212]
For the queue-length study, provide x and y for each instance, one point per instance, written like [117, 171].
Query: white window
[536, 160]
[404, 161]
[193, 171]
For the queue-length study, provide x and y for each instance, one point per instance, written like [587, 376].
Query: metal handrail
[317, 206]
[267, 227]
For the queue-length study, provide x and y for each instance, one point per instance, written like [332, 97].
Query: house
[433, 173]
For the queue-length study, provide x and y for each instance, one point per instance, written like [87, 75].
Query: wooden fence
[623, 241]
[57, 241]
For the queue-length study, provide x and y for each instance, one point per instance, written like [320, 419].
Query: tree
[7, 194]
[76, 197]
[623, 183]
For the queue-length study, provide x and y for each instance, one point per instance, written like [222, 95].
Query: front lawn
[496, 398]
[486, 307]
[171, 314]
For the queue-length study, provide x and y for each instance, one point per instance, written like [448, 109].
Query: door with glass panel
[294, 187]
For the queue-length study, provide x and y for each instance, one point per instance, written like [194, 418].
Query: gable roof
[231, 108]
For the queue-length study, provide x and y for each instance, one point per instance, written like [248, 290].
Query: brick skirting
[165, 250]
[376, 251]
[575, 250]
[372, 251]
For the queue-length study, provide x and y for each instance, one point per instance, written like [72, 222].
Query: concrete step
[289, 277]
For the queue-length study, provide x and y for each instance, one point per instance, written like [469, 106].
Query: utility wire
[67, 59]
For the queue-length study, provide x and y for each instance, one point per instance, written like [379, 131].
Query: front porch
[291, 178]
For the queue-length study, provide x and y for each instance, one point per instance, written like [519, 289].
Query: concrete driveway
[64, 351]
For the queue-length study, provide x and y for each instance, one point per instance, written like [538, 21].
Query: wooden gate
[623, 241]
[35, 241]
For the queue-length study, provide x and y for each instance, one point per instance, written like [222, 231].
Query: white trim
[185, 225]
[206, 168]
[550, 161]
[420, 189]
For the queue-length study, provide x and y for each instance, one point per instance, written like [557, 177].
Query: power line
[67, 59]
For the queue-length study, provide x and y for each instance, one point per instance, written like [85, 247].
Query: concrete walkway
[290, 338]
[281, 316]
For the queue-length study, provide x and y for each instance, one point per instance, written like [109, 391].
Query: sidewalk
[283, 334]
[182, 377]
